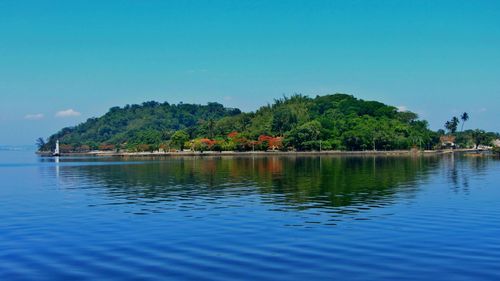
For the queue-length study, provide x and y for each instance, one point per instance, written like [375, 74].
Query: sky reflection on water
[290, 218]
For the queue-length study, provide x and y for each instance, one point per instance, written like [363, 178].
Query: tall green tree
[447, 126]
[211, 128]
[284, 119]
[305, 137]
[479, 137]
[452, 125]
[40, 143]
[179, 138]
[454, 122]
[465, 118]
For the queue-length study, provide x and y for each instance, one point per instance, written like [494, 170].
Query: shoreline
[263, 153]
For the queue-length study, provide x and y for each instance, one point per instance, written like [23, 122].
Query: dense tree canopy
[334, 122]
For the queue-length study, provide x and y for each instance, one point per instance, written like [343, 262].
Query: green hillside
[338, 121]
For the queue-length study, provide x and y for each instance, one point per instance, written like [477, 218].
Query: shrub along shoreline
[413, 152]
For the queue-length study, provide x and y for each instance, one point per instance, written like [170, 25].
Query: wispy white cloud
[67, 113]
[402, 108]
[36, 116]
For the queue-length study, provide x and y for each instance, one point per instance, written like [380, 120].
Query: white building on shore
[496, 142]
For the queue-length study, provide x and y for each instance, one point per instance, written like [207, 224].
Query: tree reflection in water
[460, 168]
[289, 182]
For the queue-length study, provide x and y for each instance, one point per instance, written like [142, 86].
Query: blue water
[249, 218]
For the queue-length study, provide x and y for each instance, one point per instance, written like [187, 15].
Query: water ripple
[279, 218]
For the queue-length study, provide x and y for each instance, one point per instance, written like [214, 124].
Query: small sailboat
[56, 151]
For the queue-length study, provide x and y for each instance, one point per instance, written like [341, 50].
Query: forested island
[296, 123]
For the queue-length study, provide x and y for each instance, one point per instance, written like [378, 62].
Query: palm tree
[464, 117]
[40, 143]
[454, 123]
[447, 125]
[451, 125]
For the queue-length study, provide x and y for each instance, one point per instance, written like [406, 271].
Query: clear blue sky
[78, 58]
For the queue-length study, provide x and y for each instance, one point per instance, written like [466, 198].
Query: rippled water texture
[275, 218]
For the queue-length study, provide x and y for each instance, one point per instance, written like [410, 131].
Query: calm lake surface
[249, 218]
